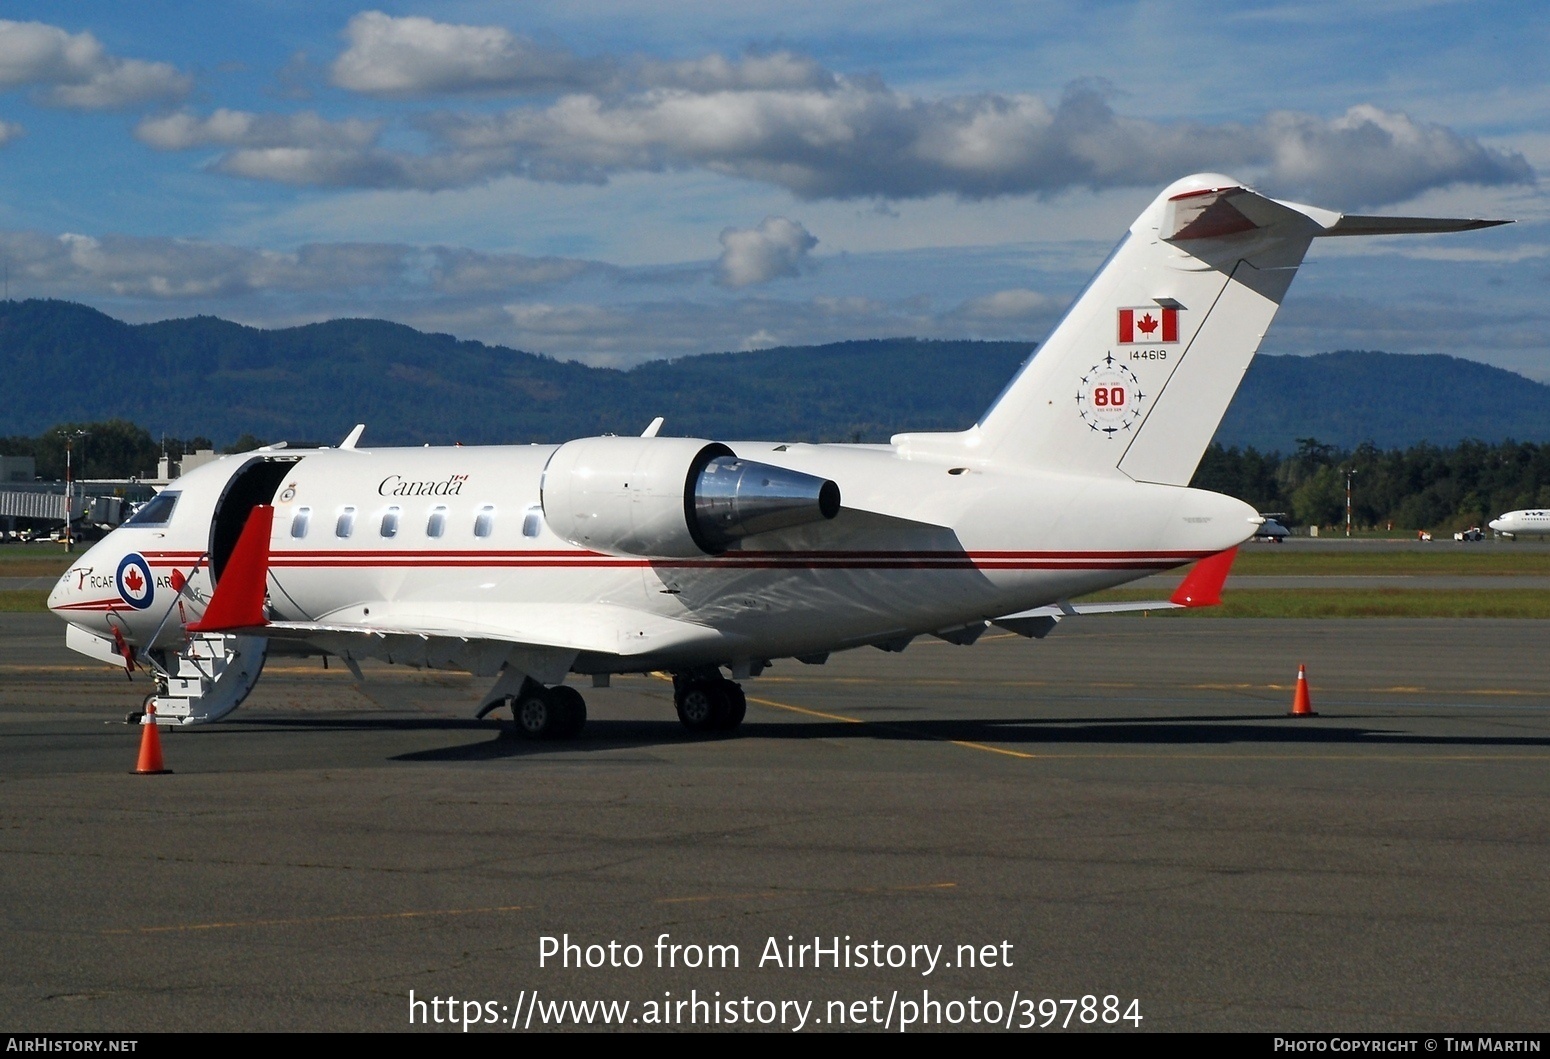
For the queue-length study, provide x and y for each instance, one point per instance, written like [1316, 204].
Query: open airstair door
[256, 483]
[211, 673]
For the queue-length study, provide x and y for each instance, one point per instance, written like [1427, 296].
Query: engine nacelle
[673, 498]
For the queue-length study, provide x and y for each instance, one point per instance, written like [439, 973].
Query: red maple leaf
[134, 580]
[1146, 325]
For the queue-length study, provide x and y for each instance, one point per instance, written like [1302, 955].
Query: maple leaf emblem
[134, 580]
[1146, 325]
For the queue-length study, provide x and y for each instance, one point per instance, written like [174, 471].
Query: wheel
[737, 706]
[537, 714]
[701, 705]
[572, 711]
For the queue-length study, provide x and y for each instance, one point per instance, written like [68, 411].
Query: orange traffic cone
[150, 746]
[1302, 706]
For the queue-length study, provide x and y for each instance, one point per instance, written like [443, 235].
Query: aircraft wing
[1201, 588]
[600, 627]
[543, 638]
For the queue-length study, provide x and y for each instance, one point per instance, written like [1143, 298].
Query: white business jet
[693, 556]
[1523, 524]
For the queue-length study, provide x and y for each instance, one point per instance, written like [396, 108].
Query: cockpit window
[155, 512]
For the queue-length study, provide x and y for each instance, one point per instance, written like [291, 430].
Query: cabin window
[300, 521]
[155, 512]
[532, 522]
[346, 524]
[484, 522]
[436, 525]
[390, 522]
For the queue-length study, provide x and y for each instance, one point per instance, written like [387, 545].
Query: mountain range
[61, 361]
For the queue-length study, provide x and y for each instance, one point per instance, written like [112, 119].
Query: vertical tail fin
[1136, 377]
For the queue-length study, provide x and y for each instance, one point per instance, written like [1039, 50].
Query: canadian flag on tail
[1149, 324]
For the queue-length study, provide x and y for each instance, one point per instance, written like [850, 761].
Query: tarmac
[1123, 809]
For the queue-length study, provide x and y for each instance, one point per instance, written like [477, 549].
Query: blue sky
[613, 182]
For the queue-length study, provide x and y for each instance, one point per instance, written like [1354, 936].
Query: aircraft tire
[537, 714]
[737, 706]
[573, 711]
[702, 705]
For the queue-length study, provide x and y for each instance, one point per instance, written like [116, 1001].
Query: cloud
[1010, 306]
[74, 70]
[860, 139]
[1368, 155]
[236, 128]
[459, 271]
[777, 247]
[160, 269]
[783, 121]
[781, 70]
[10, 130]
[416, 56]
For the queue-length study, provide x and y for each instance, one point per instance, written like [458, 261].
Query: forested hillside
[61, 362]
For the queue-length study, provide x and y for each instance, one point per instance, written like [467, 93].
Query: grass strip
[1360, 603]
[1448, 557]
[23, 601]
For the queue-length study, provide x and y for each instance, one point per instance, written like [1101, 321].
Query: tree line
[114, 448]
[1422, 487]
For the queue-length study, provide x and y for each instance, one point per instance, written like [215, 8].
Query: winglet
[238, 602]
[1203, 586]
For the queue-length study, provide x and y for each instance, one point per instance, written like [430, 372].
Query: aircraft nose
[1495, 524]
[75, 596]
[59, 595]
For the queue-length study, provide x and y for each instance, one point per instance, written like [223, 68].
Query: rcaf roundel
[135, 582]
[1148, 325]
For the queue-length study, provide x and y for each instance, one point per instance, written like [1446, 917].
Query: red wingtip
[1203, 586]
[238, 602]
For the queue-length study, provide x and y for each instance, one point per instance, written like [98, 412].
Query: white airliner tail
[1136, 377]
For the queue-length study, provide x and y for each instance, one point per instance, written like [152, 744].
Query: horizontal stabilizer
[1211, 213]
[238, 602]
[1351, 224]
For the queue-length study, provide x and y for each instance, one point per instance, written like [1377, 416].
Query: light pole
[1349, 474]
[70, 436]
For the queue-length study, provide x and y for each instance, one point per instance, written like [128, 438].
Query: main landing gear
[538, 712]
[708, 702]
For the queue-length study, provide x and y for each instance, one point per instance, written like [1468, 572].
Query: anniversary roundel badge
[1109, 398]
[135, 582]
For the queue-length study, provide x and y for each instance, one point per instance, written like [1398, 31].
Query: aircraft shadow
[497, 741]
[1027, 735]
